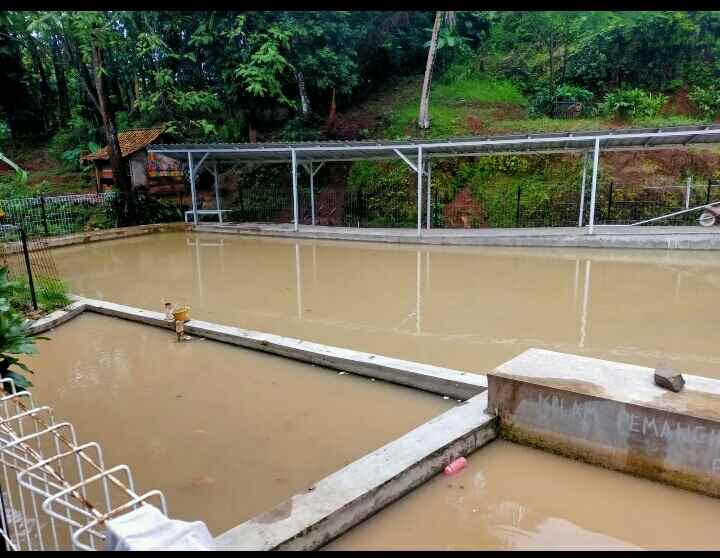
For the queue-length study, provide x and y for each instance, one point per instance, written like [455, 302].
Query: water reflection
[468, 308]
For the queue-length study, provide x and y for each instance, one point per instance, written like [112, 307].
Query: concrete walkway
[658, 237]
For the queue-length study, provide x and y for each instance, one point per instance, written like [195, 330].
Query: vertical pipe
[582, 190]
[312, 194]
[217, 191]
[23, 237]
[593, 192]
[428, 209]
[609, 207]
[295, 190]
[517, 207]
[419, 190]
[192, 187]
[687, 192]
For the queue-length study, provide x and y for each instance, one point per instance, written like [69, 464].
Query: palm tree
[424, 117]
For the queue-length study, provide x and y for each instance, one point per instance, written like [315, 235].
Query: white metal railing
[666, 216]
[56, 494]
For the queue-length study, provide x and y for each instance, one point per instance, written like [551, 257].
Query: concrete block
[611, 414]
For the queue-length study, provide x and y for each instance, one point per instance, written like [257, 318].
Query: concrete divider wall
[611, 414]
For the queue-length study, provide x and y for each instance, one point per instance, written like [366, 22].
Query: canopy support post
[582, 189]
[593, 193]
[295, 190]
[216, 175]
[419, 190]
[428, 210]
[192, 187]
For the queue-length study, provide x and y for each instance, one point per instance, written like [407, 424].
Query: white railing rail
[49, 480]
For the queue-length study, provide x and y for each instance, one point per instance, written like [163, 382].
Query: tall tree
[95, 31]
[424, 116]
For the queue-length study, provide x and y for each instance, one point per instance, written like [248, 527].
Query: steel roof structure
[418, 153]
[624, 139]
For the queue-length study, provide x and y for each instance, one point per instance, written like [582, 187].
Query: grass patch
[485, 107]
[51, 294]
[450, 106]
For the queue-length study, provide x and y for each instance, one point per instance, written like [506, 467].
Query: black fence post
[23, 237]
[44, 216]
[707, 200]
[609, 207]
[517, 209]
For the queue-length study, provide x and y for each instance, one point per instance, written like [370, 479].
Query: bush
[707, 100]
[542, 102]
[14, 336]
[627, 104]
[76, 139]
[142, 210]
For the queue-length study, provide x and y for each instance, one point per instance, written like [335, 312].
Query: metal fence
[30, 262]
[381, 206]
[59, 215]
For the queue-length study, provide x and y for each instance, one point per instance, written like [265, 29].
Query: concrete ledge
[56, 318]
[611, 414]
[101, 235]
[444, 381]
[345, 498]
[679, 238]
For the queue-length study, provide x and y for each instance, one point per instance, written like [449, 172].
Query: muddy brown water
[226, 433]
[465, 308]
[513, 497]
[468, 308]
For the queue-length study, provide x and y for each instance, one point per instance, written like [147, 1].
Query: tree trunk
[304, 99]
[551, 51]
[424, 116]
[119, 169]
[331, 123]
[60, 80]
[45, 91]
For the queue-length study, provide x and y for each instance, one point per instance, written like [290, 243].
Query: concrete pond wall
[611, 414]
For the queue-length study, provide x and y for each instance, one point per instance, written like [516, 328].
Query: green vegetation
[51, 294]
[14, 336]
[239, 76]
[452, 103]
[629, 104]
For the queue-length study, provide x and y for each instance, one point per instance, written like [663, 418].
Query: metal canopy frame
[417, 154]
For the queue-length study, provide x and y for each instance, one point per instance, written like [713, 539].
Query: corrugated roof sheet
[130, 142]
[617, 139]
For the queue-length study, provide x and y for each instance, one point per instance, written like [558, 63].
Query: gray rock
[667, 378]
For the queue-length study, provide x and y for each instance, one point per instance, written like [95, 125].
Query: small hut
[159, 175]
